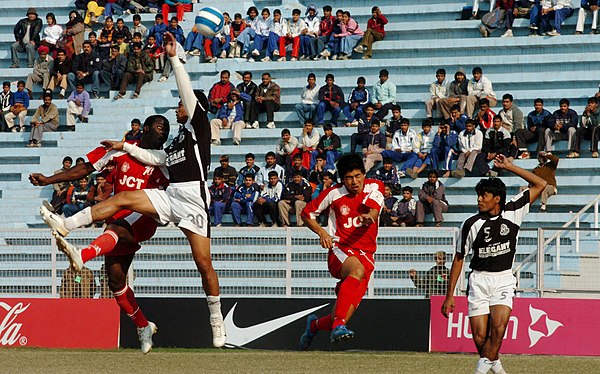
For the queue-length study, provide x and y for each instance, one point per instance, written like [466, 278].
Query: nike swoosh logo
[240, 336]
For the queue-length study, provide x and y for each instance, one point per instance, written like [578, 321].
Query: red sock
[346, 297]
[323, 323]
[126, 301]
[101, 245]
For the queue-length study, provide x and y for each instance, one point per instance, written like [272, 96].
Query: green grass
[259, 362]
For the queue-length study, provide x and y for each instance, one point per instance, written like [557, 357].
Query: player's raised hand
[448, 306]
[169, 44]
[501, 161]
[112, 145]
[38, 179]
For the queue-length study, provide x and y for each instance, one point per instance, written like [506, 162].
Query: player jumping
[126, 229]
[491, 235]
[351, 239]
[185, 202]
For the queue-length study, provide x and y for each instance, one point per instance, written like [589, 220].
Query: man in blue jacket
[230, 116]
[243, 200]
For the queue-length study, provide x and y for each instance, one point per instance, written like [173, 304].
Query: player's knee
[358, 272]
[116, 283]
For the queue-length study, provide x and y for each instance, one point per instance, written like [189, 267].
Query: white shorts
[185, 204]
[490, 288]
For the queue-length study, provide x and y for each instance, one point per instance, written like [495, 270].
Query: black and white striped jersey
[493, 239]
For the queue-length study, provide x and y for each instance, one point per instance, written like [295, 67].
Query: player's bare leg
[488, 331]
[210, 283]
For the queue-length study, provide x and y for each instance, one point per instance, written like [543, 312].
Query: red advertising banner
[536, 326]
[59, 323]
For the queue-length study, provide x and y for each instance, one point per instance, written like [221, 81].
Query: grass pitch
[260, 362]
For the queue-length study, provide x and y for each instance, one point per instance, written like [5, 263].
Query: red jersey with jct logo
[345, 209]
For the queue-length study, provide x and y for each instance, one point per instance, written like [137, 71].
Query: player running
[126, 229]
[351, 239]
[491, 235]
[185, 202]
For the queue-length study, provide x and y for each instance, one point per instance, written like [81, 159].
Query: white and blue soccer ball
[209, 21]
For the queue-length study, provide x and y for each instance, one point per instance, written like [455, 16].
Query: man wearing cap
[41, 70]
[44, 119]
[384, 95]
[27, 38]
[228, 172]
[78, 105]
[230, 116]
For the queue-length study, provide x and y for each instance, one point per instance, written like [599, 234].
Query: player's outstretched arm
[181, 76]
[455, 272]
[152, 157]
[536, 184]
[74, 173]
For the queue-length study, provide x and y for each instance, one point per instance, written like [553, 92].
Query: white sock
[497, 367]
[62, 91]
[79, 219]
[484, 365]
[214, 307]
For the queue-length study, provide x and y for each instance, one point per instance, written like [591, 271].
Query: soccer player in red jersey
[126, 229]
[351, 238]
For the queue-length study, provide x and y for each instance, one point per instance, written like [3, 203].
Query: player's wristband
[175, 61]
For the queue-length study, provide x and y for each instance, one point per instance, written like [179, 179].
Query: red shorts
[141, 226]
[337, 257]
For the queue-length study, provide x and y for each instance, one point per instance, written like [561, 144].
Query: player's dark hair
[350, 162]
[160, 119]
[494, 186]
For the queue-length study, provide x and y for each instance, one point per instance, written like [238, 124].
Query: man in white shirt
[479, 87]
[309, 100]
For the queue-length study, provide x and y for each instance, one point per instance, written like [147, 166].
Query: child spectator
[262, 28]
[243, 201]
[78, 106]
[350, 36]
[77, 197]
[267, 202]
[373, 144]
[425, 139]
[220, 196]
[101, 190]
[485, 116]
[432, 199]
[328, 180]
[103, 47]
[227, 171]
[437, 90]
[296, 167]
[309, 100]
[176, 30]
[318, 171]
[404, 211]
[250, 168]
[470, 142]
[496, 141]
[309, 35]
[389, 175]
[331, 98]
[155, 52]
[294, 29]
[122, 44]
[329, 146]
[124, 30]
[393, 124]
[51, 34]
[221, 42]
[332, 47]
[445, 140]
[294, 198]
[158, 30]
[384, 95]
[277, 33]
[375, 32]
[6, 96]
[18, 108]
[359, 96]
[135, 133]
[237, 26]
[457, 121]
[230, 116]
[286, 146]
[325, 31]
[364, 127]
[388, 205]
[138, 27]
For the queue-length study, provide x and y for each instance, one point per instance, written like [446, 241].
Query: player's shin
[346, 298]
[324, 324]
[126, 301]
[101, 245]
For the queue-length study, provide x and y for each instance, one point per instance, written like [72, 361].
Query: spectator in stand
[495, 142]
[445, 140]
[27, 38]
[333, 47]
[557, 11]
[546, 169]
[262, 29]
[331, 98]
[230, 116]
[248, 90]
[308, 36]
[77, 197]
[588, 7]
[389, 175]
[77, 284]
[268, 200]
[470, 142]
[60, 189]
[102, 47]
[364, 127]
[480, 87]
[375, 32]
[329, 146]
[512, 117]
[179, 6]
[155, 52]
[432, 199]
[435, 281]
[285, 148]
[235, 29]
[318, 171]
[180, 52]
[227, 171]
[268, 99]
[194, 43]
[388, 205]
[6, 96]
[250, 169]
[86, 69]
[18, 108]
[262, 178]
[457, 94]
[139, 70]
[101, 190]
[113, 68]
[221, 42]
[325, 31]
[563, 126]
[294, 29]
[537, 123]
[328, 180]
[74, 34]
[243, 201]
[247, 35]
[404, 147]
[158, 30]
[41, 71]
[384, 95]
[135, 133]
[404, 211]
[51, 34]
[437, 90]
[425, 140]
[351, 35]
[307, 142]
[219, 92]
[296, 166]
[78, 106]
[108, 29]
[358, 98]
[457, 121]
[294, 198]
[174, 28]
[509, 9]
[139, 27]
[121, 43]
[120, 28]
[589, 130]
[393, 124]
[58, 75]
[309, 100]
[485, 116]
[44, 119]
[220, 196]
[277, 33]
[373, 144]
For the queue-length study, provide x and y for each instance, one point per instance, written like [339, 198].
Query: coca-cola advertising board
[536, 326]
[59, 323]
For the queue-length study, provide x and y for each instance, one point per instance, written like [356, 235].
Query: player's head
[156, 132]
[491, 195]
[351, 169]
